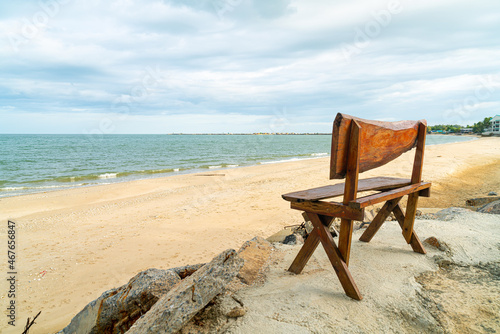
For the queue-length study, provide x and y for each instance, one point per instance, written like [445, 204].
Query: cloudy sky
[162, 66]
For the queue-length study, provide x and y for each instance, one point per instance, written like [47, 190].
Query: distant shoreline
[250, 134]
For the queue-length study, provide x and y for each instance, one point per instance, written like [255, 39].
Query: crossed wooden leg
[393, 206]
[322, 234]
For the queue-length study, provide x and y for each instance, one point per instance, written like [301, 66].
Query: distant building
[466, 130]
[495, 124]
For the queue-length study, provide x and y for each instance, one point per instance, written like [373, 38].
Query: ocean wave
[108, 176]
[42, 187]
[319, 154]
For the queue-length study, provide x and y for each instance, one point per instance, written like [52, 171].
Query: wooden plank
[416, 176]
[331, 209]
[418, 162]
[350, 191]
[309, 247]
[379, 219]
[381, 142]
[351, 181]
[411, 211]
[425, 192]
[415, 243]
[374, 183]
[365, 201]
[345, 239]
[335, 258]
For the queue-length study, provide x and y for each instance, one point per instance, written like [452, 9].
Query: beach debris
[293, 239]
[30, 323]
[492, 193]
[256, 253]
[117, 309]
[492, 208]
[182, 302]
[369, 216]
[237, 312]
[434, 242]
[281, 235]
[450, 213]
[481, 200]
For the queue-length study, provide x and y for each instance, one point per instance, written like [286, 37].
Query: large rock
[182, 302]
[493, 208]
[116, 310]
[481, 200]
[256, 253]
[450, 213]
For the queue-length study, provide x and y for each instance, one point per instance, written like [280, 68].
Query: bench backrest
[379, 142]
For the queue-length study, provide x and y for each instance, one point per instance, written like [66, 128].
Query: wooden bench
[359, 145]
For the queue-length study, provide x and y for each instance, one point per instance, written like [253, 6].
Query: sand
[77, 243]
[452, 291]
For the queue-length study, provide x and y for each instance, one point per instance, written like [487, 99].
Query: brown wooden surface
[331, 209]
[309, 247]
[379, 219]
[351, 189]
[373, 183]
[335, 258]
[365, 201]
[381, 142]
[411, 211]
[418, 162]
[415, 243]
[416, 176]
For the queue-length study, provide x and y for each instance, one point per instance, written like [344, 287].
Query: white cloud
[246, 61]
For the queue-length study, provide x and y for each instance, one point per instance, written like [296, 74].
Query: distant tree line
[478, 127]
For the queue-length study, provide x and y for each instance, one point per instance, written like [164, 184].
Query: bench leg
[309, 246]
[333, 253]
[415, 243]
[411, 210]
[345, 239]
[379, 219]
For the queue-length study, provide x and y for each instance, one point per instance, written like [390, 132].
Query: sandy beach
[77, 243]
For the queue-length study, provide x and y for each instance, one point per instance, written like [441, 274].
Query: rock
[192, 294]
[281, 235]
[293, 239]
[237, 312]
[116, 310]
[434, 242]
[186, 271]
[427, 216]
[492, 193]
[308, 225]
[369, 216]
[481, 201]
[219, 315]
[256, 253]
[493, 208]
[450, 213]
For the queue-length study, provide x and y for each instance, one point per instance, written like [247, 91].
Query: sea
[40, 163]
